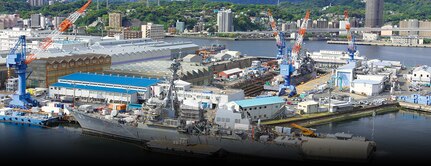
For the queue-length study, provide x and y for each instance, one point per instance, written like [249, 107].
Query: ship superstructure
[159, 126]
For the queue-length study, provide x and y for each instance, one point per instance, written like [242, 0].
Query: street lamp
[73, 99]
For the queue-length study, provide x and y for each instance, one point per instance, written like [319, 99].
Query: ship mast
[171, 97]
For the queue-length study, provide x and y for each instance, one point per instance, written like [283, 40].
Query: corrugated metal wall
[47, 71]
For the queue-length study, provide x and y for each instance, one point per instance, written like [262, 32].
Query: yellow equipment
[305, 131]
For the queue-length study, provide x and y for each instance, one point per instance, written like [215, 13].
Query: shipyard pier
[135, 96]
[214, 102]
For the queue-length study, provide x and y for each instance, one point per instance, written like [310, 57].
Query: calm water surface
[409, 56]
[402, 135]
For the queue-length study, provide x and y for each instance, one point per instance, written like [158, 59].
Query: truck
[40, 91]
[66, 99]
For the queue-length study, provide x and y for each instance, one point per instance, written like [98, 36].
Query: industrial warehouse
[201, 90]
[46, 71]
[102, 88]
[194, 73]
[121, 51]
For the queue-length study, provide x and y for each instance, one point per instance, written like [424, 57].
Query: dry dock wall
[418, 107]
[240, 63]
[244, 62]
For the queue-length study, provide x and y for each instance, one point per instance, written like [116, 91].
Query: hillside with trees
[204, 10]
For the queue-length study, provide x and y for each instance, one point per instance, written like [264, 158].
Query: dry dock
[417, 107]
[310, 85]
[327, 117]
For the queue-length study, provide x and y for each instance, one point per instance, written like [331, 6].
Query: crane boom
[64, 26]
[301, 33]
[351, 48]
[278, 35]
[305, 131]
[288, 65]
[274, 28]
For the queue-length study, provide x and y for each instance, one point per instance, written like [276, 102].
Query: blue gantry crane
[287, 65]
[278, 35]
[17, 60]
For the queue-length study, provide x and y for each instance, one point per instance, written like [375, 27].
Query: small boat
[32, 118]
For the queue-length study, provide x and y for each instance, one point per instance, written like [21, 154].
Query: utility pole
[158, 2]
[278, 3]
[148, 3]
[97, 4]
[107, 4]
[73, 100]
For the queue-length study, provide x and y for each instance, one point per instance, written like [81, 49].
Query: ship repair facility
[93, 87]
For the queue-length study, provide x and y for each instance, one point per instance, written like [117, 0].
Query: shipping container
[118, 107]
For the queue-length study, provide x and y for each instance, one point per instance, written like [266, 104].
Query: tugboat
[23, 108]
[14, 116]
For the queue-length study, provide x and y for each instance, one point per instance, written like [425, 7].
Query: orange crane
[301, 33]
[305, 131]
[288, 65]
[18, 59]
[63, 27]
[351, 48]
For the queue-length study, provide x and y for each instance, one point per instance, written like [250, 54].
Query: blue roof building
[103, 88]
[263, 108]
[122, 81]
[259, 101]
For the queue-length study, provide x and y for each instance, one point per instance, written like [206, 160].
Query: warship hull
[308, 149]
[143, 134]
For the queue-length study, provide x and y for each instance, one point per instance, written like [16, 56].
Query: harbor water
[409, 56]
[399, 136]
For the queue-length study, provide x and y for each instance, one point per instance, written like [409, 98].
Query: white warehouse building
[308, 107]
[345, 74]
[261, 108]
[230, 118]
[201, 96]
[369, 85]
[102, 88]
[420, 75]
[122, 51]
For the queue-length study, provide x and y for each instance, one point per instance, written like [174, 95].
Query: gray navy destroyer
[158, 127]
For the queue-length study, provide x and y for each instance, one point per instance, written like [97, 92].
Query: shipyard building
[332, 59]
[193, 73]
[261, 108]
[345, 75]
[369, 85]
[46, 71]
[122, 51]
[202, 97]
[420, 75]
[91, 87]
[3, 74]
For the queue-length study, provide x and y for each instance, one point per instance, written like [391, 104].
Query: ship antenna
[171, 98]
[372, 131]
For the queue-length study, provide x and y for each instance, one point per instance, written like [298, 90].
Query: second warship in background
[160, 127]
